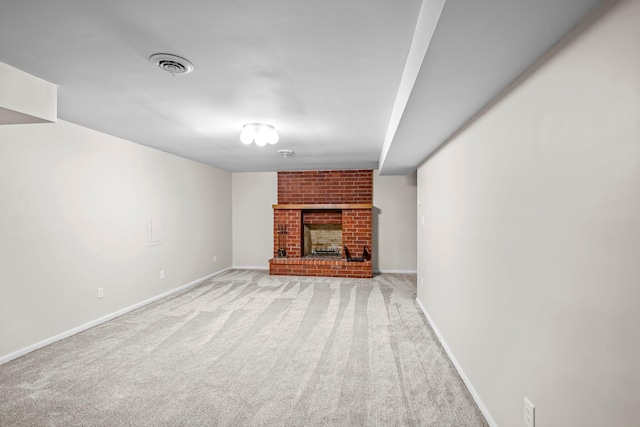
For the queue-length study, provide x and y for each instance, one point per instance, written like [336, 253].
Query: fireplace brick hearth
[343, 197]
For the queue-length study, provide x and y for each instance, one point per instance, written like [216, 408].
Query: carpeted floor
[245, 348]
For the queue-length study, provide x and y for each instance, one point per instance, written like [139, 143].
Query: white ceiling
[325, 74]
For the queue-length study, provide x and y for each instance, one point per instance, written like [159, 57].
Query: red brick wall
[291, 219]
[356, 230]
[322, 217]
[325, 187]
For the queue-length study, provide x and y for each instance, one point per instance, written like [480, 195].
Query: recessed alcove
[322, 233]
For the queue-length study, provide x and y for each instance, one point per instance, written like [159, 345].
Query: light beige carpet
[245, 348]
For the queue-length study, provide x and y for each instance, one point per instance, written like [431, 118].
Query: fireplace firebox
[322, 240]
[321, 233]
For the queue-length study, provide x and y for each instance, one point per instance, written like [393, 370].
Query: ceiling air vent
[171, 63]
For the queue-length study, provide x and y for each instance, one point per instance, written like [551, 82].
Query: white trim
[249, 267]
[6, 358]
[483, 408]
[395, 271]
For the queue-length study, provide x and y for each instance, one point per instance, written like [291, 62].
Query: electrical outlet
[529, 413]
[215, 258]
[100, 293]
[161, 274]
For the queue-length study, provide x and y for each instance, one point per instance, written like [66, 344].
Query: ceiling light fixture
[260, 133]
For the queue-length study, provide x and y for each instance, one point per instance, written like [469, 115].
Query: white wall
[25, 98]
[74, 210]
[253, 197]
[394, 223]
[530, 252]
[394, 220]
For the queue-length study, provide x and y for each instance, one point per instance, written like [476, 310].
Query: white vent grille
[171, 63]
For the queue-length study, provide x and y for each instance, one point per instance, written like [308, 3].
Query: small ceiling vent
[171, 63]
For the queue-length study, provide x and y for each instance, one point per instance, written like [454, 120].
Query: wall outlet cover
[529, 413]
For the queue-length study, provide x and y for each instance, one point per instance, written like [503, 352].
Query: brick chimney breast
[342, 197]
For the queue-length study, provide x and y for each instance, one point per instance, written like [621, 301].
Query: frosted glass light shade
[272, 135]
[261, 137]
[260, 133]
[248, 134]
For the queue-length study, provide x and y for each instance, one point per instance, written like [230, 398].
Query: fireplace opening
[322, 233]
[322, 240]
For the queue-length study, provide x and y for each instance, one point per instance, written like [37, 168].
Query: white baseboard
[103, 319]
[395, 271]
[249, 267]
[483, 408]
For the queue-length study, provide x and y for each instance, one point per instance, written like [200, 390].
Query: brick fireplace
[318, 214]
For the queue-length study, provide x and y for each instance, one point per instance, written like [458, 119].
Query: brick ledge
[308, 261]
[316, 267]
[324, 206]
